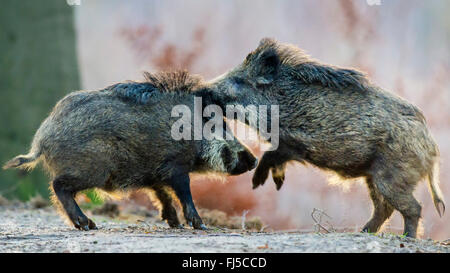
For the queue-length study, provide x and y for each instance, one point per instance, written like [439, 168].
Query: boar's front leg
[274, 161]
[65, 188]
[181, 186]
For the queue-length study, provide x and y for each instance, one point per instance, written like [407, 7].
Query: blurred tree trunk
[38, 66]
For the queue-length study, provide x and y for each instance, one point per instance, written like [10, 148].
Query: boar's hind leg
[168, 211]
[382, 210]
[65, 188]
[181, 186]
[399, 193]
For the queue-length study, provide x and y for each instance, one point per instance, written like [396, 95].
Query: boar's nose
[252, 162]
[248, 160]
[255, 163]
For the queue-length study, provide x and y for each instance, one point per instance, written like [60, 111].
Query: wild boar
[119, 138]
[336, 119]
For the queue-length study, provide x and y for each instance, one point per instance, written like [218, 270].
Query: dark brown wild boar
[119, 138]
[336, 119]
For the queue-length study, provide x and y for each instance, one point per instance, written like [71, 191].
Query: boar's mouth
[246, 162]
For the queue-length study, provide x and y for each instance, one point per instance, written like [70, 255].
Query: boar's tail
[433, 183]
[23, 161]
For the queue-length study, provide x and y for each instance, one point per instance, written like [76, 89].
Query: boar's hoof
[278, 181]
[278, 176]
[92, 225]
[84, 223]
[174, 223]
[365, 230]
[177, 225]
[197, 225]
[259, 177]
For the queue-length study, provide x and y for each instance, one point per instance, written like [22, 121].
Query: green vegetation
[38, 66]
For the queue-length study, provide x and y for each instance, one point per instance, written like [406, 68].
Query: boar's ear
[267, 65]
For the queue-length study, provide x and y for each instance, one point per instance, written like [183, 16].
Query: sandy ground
[26, 229]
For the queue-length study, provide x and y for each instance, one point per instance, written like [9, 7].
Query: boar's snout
[246, 162]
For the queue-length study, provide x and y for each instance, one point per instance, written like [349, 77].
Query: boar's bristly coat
[119, 138]
[336, 119]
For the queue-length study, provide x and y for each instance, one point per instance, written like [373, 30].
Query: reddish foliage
[146, 42]
[232, 196]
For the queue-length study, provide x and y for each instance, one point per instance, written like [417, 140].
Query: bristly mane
[310, 71]
[177, 81]
[154, 83]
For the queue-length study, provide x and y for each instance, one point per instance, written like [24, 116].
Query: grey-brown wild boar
[119, 138]
[336, 119]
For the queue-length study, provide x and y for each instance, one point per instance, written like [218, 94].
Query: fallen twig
[244, 215]
[263, 227]
[318, 220]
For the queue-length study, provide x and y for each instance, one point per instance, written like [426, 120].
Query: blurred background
[50, 50]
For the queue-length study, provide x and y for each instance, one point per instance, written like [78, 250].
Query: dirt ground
[25, 228]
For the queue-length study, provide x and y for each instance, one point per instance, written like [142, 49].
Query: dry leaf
[266, 246]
